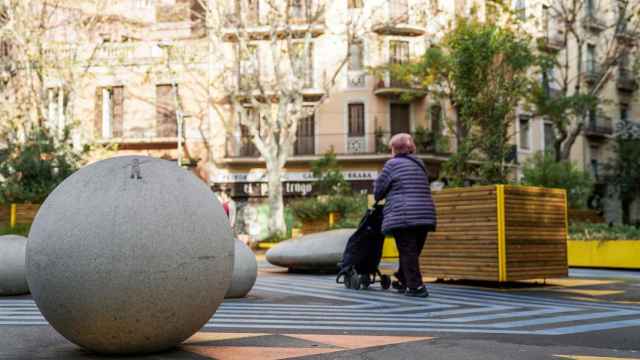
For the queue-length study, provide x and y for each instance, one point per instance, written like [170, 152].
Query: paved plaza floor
[592, 315]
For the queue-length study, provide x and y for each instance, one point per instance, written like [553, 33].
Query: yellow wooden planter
[621, 254]
[496, 233]
[18, 214]
[320, 225]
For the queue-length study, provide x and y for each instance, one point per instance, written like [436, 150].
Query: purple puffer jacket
[405, 186]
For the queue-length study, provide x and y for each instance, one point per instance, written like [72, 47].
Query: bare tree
[599, 43]
[263, 77]
[47, 48]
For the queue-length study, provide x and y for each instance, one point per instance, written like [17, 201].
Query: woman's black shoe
[419, 292]
[400, 287]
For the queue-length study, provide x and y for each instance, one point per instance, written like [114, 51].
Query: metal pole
[179, 115]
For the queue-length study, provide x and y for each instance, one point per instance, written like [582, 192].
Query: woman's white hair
[402, 143]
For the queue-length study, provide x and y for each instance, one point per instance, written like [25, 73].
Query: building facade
[151, 92]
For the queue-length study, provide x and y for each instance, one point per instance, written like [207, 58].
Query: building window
[355, 4]
[248, 75]
[434, 6]
[591, 58]
[624, 112]
[304, 66]
[595, 161]
[166, 116]
[399, 11]
[398, 52]
[436, 119]
[520, 8]
[589, 7]
[356, 120]
[109, 111]
[247, 146]
[356, 55]
[253, 12]
[55, 107]
[299, 9]
[549, 137]
[305, 136]
[525, 132]
[592, 114]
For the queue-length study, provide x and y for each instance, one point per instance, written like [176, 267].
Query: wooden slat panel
[25, 213]
[535, 233]
[4, 215]
[465, 245]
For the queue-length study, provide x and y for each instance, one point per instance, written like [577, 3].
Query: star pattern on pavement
[232, 346]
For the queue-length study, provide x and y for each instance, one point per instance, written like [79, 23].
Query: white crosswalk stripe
[448, 309]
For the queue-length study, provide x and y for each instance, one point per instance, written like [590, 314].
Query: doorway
[400, 118]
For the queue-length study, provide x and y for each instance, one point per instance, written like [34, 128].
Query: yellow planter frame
[618, 254]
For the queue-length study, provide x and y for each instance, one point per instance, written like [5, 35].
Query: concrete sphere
[129, 255]
[13, 279]
[245, 271]
[319, 251]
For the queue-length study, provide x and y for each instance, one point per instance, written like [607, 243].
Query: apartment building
[151, 88]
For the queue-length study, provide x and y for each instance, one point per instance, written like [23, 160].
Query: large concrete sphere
[129, 255]
[245, 271]
[13, 280]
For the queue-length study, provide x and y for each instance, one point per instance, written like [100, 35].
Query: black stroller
[359, 266]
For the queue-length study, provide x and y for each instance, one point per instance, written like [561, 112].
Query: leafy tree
[32, 167]
[543, 170]
[328, 174]
[573, 79]
[481, 68]
[624, 170]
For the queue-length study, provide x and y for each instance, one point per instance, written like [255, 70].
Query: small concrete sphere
[245, 271]
[13, 278]
[129, 255]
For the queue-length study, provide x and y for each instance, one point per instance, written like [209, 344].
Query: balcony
[592, 23]
[551, 42]
[395, 88]
[257, 29]
[592, 73]
[624, 34]
[599, 128]
[242, 147]
[398, 19]
[626, 82]
[142, 142]
[356, 79]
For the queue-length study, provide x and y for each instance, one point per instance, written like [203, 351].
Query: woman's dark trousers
[410, 242]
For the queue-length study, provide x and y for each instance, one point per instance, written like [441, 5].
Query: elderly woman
[409, 212]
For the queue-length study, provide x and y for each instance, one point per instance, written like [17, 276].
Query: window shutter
[97, 123]
[117, 103]
[165, 112]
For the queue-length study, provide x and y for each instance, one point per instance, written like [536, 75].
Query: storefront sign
[228, 178]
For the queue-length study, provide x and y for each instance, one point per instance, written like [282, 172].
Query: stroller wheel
[356, 282]
[385, 281]
[365, 281]
[347, 281]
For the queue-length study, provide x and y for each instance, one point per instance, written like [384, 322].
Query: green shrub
[543, 170]
[22, 230]
[328, 174]
[586, 231]
[315, 208]
[32, 168]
